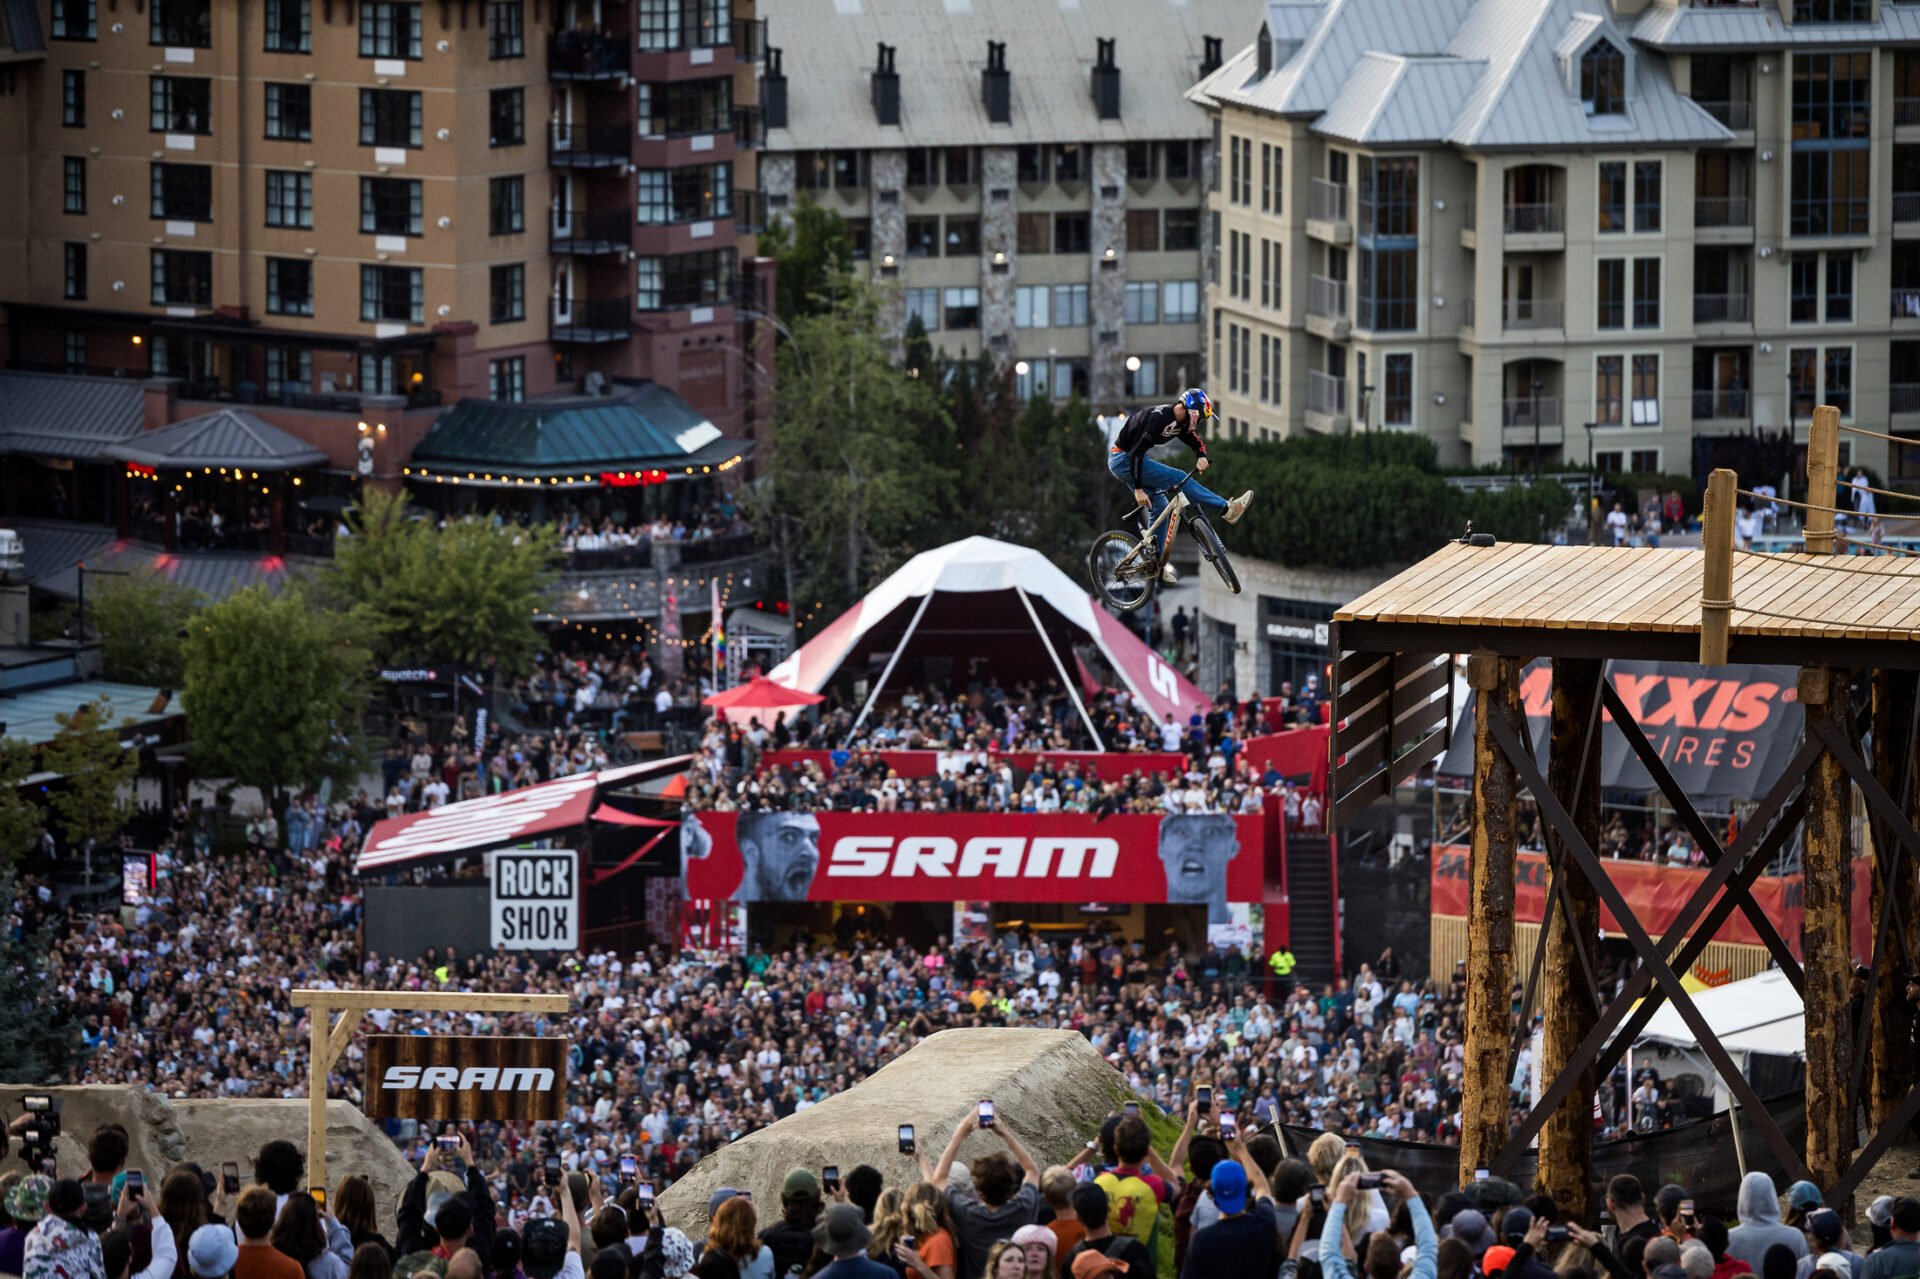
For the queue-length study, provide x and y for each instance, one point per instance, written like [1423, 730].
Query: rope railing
[1820, 562]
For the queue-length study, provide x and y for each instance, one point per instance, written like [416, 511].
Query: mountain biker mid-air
[1128, 462]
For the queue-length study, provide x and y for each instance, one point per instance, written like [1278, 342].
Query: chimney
[157, 396]
[1263, 50]
[1210, 60]
[1106, 82]
[773, 92]
[886, 88]
[996, 85]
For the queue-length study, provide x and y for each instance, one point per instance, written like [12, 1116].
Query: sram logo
[472, 1079]
[1002, 856]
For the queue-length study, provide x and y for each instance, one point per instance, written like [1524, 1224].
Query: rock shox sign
[465, 1077]
[536, 899]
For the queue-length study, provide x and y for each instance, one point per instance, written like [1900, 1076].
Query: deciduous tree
[139, 619]
[95, 769]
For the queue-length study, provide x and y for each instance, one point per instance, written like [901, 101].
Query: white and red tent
[988, 608]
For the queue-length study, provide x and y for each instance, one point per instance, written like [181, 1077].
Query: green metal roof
[638, 427]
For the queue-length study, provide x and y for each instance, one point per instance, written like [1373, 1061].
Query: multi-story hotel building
[1626, 227]
[1029, 175]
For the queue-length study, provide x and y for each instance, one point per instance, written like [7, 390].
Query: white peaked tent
[992, 607]
[1758, 1014]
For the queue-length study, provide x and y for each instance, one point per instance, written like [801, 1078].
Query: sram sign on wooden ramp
[465, 1077]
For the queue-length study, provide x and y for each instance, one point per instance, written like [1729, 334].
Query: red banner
[1193, 858]
[1294, 753]
[1108, 767]
[1656, 894]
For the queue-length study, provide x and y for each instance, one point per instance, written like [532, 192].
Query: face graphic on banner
[779, 852]
[1195, 849]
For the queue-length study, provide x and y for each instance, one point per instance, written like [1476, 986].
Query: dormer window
[1603, 79]
[1833, 10]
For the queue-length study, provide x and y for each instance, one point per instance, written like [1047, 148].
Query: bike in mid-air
[1125, 568]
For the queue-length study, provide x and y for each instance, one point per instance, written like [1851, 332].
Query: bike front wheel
[1214, 552]
[1123, 589]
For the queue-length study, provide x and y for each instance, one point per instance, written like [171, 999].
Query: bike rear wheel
[1214, 553]
[1126, 593]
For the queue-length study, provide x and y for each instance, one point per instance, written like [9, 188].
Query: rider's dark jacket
[1149, 428]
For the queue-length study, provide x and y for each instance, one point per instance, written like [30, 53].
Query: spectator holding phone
[1244, 1239]
[1005, 1197]
[1426, 1244]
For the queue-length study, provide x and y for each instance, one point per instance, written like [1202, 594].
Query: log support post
[1890, 1072]
[1573, 772]
[1826, 943]
[1823, 478]
[1716, 588]
[1495, 681]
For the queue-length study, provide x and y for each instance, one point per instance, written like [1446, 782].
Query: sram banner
[465, 1077]
[536, 899]
[1007, 857]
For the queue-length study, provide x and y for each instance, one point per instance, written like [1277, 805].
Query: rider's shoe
[1170, 575]
[1238, 507]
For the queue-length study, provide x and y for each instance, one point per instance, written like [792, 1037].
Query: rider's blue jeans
[1158, 476]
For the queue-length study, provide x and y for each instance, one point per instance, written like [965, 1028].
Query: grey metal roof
[22, 22]
[644, 426]
[830, 48]
[1665, 27]
[1395, 100]
[58, 415]
[1520, 93]
[52, 547]
[224, 437]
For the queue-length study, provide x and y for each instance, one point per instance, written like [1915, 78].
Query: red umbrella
[760, 694]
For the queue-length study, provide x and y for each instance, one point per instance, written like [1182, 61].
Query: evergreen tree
[38, 1037]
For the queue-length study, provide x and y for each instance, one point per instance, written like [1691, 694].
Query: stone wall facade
[1107, 290]
[997, 237]
[888, 232]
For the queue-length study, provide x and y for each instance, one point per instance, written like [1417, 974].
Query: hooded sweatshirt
[1760, 1227]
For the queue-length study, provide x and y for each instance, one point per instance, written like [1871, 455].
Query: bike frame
[1176, 507]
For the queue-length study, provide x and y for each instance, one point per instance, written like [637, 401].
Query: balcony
[1906, 111]
[1735, 115]
[589, 321]
[1326, 298]
[1532, 314]
[750, 39]
[1906, 304]
[749, 128]
[1721, 406]
[1326, 394]
[1906, 206]
[590, 234]
[583, 57]
[1534, 219]
[1722, 308]
[588, 146]
[1903, 397]
[1525, 421]
[1327, 212]
[1723, 211]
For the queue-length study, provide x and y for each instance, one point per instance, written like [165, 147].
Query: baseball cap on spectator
[1834, 1261]
[1229, 1186]
[27, 1201]
[1516, 1223]
[543, 1247]
[1803, 1195]
[506, 1250]
[717, 1198]
[211, 1252]
[1906, 1214]
[1470, 1227]
[800, 1183]
[1824, 1224]
[1496, 1259]
[1879, 1212]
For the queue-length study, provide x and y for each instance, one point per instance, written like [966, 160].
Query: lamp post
[1536, 428]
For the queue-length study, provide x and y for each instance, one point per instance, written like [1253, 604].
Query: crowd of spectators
[1626, 834]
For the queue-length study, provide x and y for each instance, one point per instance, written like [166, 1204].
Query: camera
[36, 1138]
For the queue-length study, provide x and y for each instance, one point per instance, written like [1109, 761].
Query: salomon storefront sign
[466, 1076]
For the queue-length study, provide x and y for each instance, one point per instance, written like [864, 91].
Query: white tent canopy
[1760, 1014]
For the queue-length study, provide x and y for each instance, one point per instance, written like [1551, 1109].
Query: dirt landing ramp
[1049, 1087]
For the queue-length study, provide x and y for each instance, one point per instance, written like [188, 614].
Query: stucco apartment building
[1027, 175]
[1625, 225]
[332, 209]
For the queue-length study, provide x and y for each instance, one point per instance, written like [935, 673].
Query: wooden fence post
[1495, 681]
[1716, 589]
[1823, 477]
[1826, 943]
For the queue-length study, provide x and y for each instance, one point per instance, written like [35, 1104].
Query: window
[686, 279]
[1246, 266]
[1143, 381]
[860, 232]
[1839, 287]
[392, 294]
[1266, 188]
[1034, 232]
[923, 237]
[1270, 263]
[181, 23]
[1140, 162]
[1143, 302]
[921, 166]
[1180, 230]
[687, 194]
[177, 104]
[961, 169]
[1034, 384]
[680, 24]
[389, 118]
[963, 237]
[1266, 367]
[1181, 159]
[390, 206]
[1072, 232]
[1803, 302]
[182, 192]
[73, 173]
[182, 277]
[1608, 388]
[1613, 196]
[507, 292]
[1070, 163]
[1387, 299]
[1646, 195]
[1803, 377]
[289, 286]
[1246, 361]
[1833, 10]
[289, 26]
[507, 379]
[506, 117]
[1832, 121]
[924, 305]
[1838, 383]
[1233, 356]
[1397, 407]
[1030, 309]
[1646, 293]
[1143, 230]
[289, 370]
[506, 29]
[1030, 164]
[76, 343]
[289, 198]
[962, 308]
[1272, 175]
[1611, 294]
[73, 99]
[1390, 197]
[686, 107]
[506, 205]
[76, 277]
[1180, 302]
[1069, 306]
[1645, 461]
[74, 19]
[1609, 461]
[290, 112]
[1603, 79]
[1831, 195]
[1646, 390]
[1233, 264]
[389, 29]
